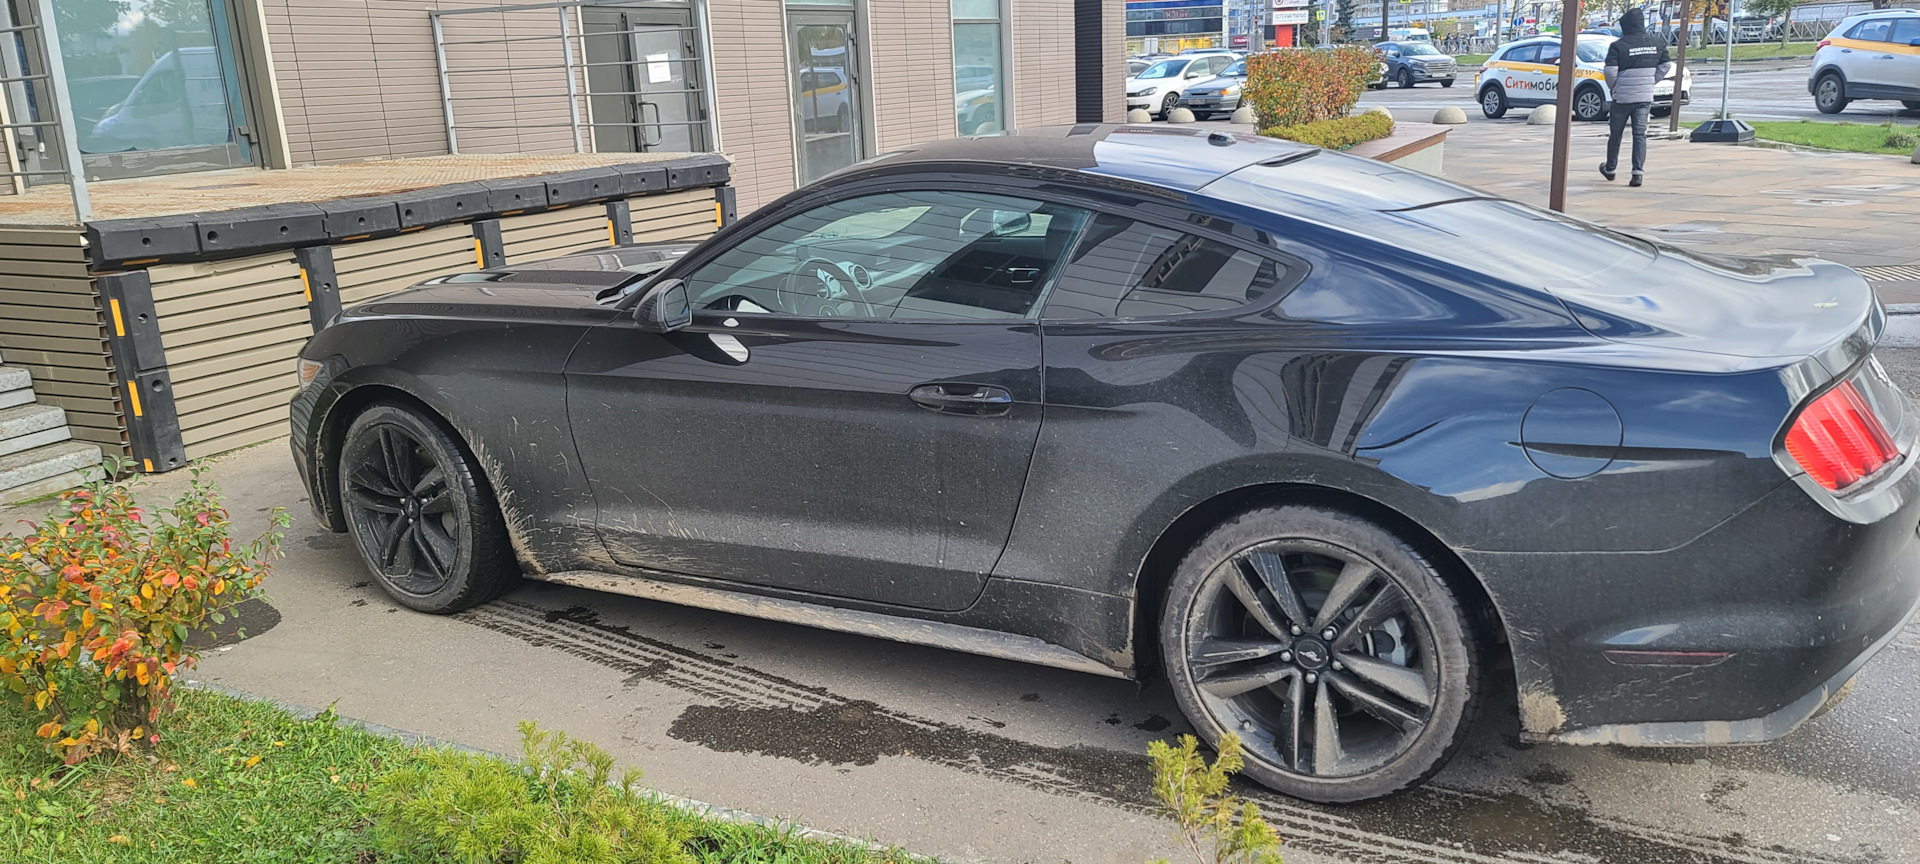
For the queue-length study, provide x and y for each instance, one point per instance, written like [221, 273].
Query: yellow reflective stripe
[306, 284]
[119, 326]
[719, 213]
[1882, 47]
[479, 256]
[613, 239]
[149, 464]
[133, 397]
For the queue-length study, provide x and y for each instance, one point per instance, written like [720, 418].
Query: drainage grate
[1890, 273]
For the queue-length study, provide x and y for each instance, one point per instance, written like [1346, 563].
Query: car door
[851, 412]
[1860, 57]
[1545, 74]
[1518, 77]
[1902, 58]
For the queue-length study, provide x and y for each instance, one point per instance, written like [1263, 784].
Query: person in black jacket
[1635, 62]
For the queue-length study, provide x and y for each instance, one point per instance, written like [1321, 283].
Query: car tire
[1589, 105]
[1391, 697]
[421, 514]
[843, 120]
[1830, 94]
[1168, 104]
[1912, 104]
[1405, 78]
[1493, 103]
[1202, 115]
[1446, 82]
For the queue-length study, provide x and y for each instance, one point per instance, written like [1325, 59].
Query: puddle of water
[750, 711]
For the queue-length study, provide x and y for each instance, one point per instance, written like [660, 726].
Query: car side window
[1905, 30]
[1550, 54]
[1524, 54]
[1871, 31]
[922, 255]
[1123, 268]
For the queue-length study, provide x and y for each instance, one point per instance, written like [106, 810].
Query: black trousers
[1617, 122]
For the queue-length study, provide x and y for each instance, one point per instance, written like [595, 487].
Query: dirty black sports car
[1325, 442]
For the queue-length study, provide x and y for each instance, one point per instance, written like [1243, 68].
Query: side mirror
[1019, 224]
[664, 308]
[1914, 42]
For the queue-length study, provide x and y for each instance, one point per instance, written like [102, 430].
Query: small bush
[1903, 140]
[1291, 87]
[1338, 133]
[1214, 826]
[558, 807]
[97, 602]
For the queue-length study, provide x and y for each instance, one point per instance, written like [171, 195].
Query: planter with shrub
[1305, 96]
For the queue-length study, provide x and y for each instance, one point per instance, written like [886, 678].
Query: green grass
[1758, 50]
[1852, 137]
[1470, 59]
[197, 798]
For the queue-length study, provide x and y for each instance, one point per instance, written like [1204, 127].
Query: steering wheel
[836, 293]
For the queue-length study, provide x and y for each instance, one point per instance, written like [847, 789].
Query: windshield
[1167, 68]
[1590, 52]
[1417, 49]
[1237, 70]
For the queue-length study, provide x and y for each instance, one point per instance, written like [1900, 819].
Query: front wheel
[1493, 103]
[1168, 104]
[1406, 79]
[1589, 105]
[1334, 650]
[1830, 94]
[421, 513]
[1912, 104]
[1202, 115]
[1446, 82]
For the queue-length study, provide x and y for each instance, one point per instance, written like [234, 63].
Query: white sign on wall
[1290, 16]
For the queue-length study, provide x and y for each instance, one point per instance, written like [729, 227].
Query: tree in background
[1780, 9]
[1343, 21]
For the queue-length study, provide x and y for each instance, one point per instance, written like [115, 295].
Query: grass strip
[236, 780]
[1850, 137]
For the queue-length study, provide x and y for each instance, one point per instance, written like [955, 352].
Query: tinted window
[1165, 69]
[1128, 269]
[1549, 53]
[1523, 54]
[903, 255]
[1874, 30]
[1590, 52]
[1418, 49]
[1905, 30]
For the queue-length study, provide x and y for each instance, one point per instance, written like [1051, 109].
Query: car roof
[1170, 157]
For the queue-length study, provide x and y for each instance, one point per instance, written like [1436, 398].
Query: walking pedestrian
[1635, 62]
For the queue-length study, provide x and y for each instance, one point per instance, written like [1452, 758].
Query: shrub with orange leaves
[1292, 86]
[98, 601]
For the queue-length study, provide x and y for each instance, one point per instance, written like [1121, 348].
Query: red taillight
[1838, 439]
[1823, 43]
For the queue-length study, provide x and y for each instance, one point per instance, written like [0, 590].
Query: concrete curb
[1903, 308]
[697, 808]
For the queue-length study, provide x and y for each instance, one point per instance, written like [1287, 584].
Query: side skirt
[937, 634]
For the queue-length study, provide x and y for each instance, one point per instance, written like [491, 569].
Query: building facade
[787, 89]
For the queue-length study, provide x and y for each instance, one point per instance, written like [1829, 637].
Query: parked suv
[1410, 63]
[1158, 89]
[1874, 55]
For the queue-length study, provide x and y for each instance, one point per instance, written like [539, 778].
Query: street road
[970, 758]
[1760, 90]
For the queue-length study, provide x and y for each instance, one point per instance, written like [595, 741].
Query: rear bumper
[1779, 607]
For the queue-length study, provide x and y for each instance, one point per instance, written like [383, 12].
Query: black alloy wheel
[1168, 104]
[1830, 94]
[421, 515]
[1406, 78]
[1445, 83]
[1493, 103]
[1333, 649]
[1589, 105]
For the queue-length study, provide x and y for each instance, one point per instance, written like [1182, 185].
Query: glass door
[154, 85]
[827, 91]
[643, 79]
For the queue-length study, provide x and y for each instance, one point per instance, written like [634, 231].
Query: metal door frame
[855, 14]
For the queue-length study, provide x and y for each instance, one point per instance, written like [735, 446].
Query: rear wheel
[1830, 94]
[1493, 103]
[421, 514]
[1331, 647]
[1912, 104]
[1589, 105]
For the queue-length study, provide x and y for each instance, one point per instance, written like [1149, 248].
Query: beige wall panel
[912, 47]
[1042, 35]
[750, 91]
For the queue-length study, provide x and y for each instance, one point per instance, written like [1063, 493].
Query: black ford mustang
[1324, 441]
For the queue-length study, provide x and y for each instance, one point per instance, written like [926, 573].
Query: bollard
[1541, 116]
[1449, 116]
[1139, 115]
[1180, 115]
[1243, 115]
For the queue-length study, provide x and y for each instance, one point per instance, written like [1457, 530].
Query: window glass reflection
[978, 97]
[143, 74]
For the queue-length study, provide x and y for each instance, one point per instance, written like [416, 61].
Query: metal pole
[573, 100]
[446, 89]
[1563, 112]
[63, 110]
[1679, 66]
[1726, 77]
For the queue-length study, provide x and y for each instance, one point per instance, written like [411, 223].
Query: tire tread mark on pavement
[1333, 831]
